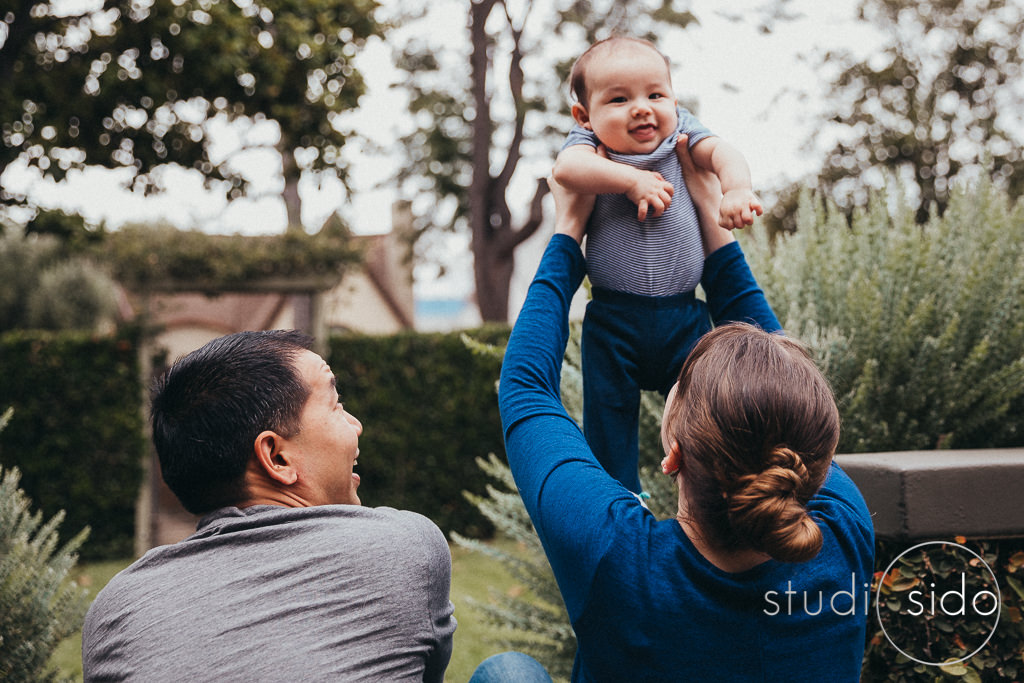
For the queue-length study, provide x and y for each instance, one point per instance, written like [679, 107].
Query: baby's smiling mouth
[644, 130]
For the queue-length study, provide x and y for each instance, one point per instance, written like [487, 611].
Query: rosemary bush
[919, 328]
[38, 607]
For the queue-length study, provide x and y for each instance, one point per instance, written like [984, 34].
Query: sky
[761, 92]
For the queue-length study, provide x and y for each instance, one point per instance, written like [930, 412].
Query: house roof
[227, 312]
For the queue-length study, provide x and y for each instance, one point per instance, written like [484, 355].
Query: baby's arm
[581, 169]
[739, 203]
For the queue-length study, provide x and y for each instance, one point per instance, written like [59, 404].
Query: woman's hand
[706, 192]
[572, 210]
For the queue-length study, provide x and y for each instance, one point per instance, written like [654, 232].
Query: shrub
[38, 607]
[919, 328]
[938, 634]
[77, 430]
[146, 256]
[70, 295]
[44, 288]
[21, 262]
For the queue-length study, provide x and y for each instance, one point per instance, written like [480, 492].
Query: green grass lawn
[473, 578]
[92, 577]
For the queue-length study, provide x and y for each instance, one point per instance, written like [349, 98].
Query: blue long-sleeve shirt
[643, 601]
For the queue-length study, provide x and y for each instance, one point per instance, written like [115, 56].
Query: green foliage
[931, 103]
[144, 256]
[428, 408]
[535, 623]
[21, 262]
[941, 635]
[135, 86]
[38, 607]
[919, 328]
[46, 288]
[72, 294]
[77, 432]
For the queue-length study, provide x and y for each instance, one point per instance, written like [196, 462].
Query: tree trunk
[493, 276]
[494, 238]
[290, 194]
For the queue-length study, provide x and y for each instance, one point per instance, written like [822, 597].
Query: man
[287, 577]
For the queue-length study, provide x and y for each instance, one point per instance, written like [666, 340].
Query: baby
[644, 248]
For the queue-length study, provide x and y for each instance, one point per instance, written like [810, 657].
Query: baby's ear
[579, 112]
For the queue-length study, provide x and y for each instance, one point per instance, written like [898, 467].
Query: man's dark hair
[210, 406]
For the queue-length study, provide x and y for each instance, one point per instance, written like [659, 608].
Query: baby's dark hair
[757, 426]
[578, 75]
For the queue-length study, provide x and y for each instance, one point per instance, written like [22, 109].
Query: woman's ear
[673, 460]
[272, 458]
[579, 113]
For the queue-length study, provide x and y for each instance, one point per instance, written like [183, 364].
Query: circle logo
[938, 603]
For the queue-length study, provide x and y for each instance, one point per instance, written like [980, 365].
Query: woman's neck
[732, 561]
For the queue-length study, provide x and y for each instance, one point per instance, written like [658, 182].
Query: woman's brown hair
[757, 426]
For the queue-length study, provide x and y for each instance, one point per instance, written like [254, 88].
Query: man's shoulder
[224, 541]
[262, 516]
[371, 525]
[399, 520]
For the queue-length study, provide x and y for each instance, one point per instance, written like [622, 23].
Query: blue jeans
[510, 667]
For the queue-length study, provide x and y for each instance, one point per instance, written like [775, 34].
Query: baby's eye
[655, 96]
[618, 100]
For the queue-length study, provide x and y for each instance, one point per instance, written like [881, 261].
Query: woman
[764, 573]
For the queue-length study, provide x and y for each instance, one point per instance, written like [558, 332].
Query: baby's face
[631, 105]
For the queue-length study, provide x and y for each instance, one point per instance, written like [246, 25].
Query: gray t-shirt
[268, 593]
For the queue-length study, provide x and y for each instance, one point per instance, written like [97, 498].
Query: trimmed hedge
[76, 432]
[428, 406]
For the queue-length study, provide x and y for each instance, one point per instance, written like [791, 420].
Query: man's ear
[579, 113]
[272, 458]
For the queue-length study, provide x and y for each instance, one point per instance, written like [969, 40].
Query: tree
[472, 131]
[135, 86]
[943, 98]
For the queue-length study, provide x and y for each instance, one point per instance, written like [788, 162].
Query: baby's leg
[611, 393]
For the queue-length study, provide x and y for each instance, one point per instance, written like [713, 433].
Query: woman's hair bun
[767, 509]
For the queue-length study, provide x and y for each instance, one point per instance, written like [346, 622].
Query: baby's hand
[738, 209]
[651, 193]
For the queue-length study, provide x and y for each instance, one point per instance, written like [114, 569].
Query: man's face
[327, 444]
[631, 105]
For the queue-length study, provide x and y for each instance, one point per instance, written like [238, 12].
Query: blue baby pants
[631, 343]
